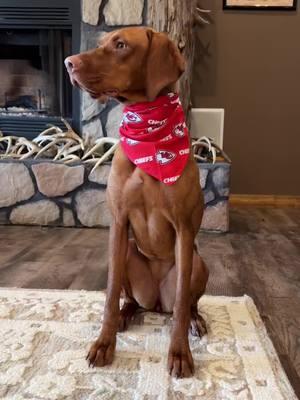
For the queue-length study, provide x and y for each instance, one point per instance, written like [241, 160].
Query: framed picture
[260, 4]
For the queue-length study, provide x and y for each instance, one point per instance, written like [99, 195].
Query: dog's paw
[198, 326]
[101, 352]
[180, 361]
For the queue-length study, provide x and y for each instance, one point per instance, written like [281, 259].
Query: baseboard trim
[264, 200]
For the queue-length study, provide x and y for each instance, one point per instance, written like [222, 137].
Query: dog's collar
[154, 136]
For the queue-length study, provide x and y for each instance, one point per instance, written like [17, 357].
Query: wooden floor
[260, 257]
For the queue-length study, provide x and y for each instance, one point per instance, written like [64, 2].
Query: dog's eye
[120, 45]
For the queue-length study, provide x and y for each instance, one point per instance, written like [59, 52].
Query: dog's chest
[147, 213]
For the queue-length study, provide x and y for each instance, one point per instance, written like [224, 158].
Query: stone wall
[51, 193]
[98, 17]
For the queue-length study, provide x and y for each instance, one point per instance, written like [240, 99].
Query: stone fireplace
[43, 192]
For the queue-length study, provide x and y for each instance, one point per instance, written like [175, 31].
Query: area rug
[45, 335]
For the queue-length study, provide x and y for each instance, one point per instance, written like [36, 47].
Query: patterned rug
[45, 336]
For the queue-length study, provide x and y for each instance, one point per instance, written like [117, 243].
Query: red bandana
[154, 136]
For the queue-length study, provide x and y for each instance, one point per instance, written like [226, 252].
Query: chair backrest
[208, 122]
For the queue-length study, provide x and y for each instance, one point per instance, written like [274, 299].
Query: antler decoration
[201, 15]
[59, 145]
[206, 150]
[68, 147]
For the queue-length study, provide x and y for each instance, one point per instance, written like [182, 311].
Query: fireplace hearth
[35, 91]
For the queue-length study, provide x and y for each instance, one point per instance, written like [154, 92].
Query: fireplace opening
[34, 81]
[35, 91]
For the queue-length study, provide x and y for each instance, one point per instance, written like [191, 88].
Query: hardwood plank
[264, 200]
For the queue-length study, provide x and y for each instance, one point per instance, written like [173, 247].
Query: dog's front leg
[180, 361]
[102, 351]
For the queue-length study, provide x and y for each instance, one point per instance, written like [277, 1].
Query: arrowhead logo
[164, 157]
[179, 130]
[132, 142]
[131, 117]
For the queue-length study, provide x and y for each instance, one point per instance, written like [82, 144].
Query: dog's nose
[73, 63]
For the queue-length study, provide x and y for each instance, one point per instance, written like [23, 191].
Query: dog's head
[130, 64]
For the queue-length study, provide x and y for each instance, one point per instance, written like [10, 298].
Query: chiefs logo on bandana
[146, 126]
[165, 157]
[131, 117]
[132, 142]
[179, 130]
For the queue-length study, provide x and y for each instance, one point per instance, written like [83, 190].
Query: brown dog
[160, 268]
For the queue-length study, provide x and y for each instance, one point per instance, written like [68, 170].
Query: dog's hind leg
[198, 284]
[139, 287]
[198, 324]
[127, 312]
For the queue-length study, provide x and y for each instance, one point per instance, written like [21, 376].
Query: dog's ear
[165, 64]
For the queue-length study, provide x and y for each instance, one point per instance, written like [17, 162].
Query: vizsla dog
[160, 268]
